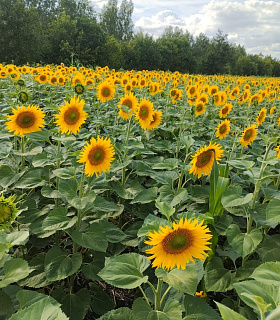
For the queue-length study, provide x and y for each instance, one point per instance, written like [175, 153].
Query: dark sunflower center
[223, 129]
[199, 108]
[247, 134]
[144, 113]
[204, 158]
[96, 156]
[177, 241]
[192, 90]
[71, 116]
[25, 119]
[127, 103]
[224, 110]
[106, 92]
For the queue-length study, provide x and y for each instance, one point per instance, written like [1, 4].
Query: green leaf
[65, 173]
[182, 196]
[232, 197]
[125, 271]
[173, 309]
[197, 309]
[104, 205]
[167, 164]
[59, 265]
[48, 192]
[101, 301]
[68, 188]
[241, 164]
[113, 233]
[229, 314]
[118, 314]
[165, 209]
[157, 315]
[81, 203]
[268, 273]
[146, 196]
[14, 270]
[217, 278]
[5, 148]
[31, 180]
[94, 238]
[8, 177]
[243, 243]
[75, 306]
[140, 309]
[32, 152]
[39, 135]
[269, 293]
[272, 211]
[183, 280]
[40, 310]
[6, 306]
[16, 238]
[57, 220]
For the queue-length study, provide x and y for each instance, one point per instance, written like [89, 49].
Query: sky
[254, 24]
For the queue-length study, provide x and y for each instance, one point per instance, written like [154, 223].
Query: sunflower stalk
[257, 187]
[125, 150]
[22, 145]
[158, 294]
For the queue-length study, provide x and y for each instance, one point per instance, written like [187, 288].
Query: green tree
[199, 49]
[110, 54]
[125, 23]
[21, 36]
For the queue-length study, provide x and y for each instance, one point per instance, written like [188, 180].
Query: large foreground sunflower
[178, 244]
[145, 113]
[25, 120]
[249, 135]
[97, 156]
[130, 101]
[71, 116]
[203, 159]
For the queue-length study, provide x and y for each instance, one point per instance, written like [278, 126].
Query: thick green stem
[164, 295]
[125, 150]
[22, 144]
[158, 294]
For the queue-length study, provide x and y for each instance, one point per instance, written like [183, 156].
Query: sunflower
[71, 116]
[272, 109]
[42, 78]
[130, 101]
[192, 91]
[199, 108]
[234, 93]
[23, 96]
[144, 113]
[277, 149]
[178, 244]
[225, 110]
[105, 91]
[79, 88]
[261, 116]
[249, 135]
[157, 115]
[223, 129]
[203, 159]
[8, 211]
[25, 120]
[97, 156]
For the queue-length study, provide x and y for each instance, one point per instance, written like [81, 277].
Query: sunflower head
[97, 156]
[223, 129]
[8, 211]
[203, 159]
[23, 97]
[21, 82]
[25, 120]
[144, 113]
[157, 115]
[261, 116]
[105, 91]
[71, 116]
[249, 135]
[199, 108]
[130, 102]
[79, 88]
[178, 244]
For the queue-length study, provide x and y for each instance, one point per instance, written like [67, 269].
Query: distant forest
[71, 31]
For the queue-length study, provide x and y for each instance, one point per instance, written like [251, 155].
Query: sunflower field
[133, 195]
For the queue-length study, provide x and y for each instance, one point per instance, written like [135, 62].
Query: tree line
[71, 31]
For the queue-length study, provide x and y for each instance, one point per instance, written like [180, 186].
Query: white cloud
[255, 24]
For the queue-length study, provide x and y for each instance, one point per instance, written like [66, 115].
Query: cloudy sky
[254, 24]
